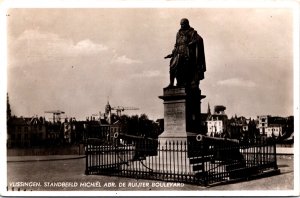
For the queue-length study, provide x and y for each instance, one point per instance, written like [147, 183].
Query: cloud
[147, 74]
[36, 45]
[236, 82]
[125, 60]
[87, 46]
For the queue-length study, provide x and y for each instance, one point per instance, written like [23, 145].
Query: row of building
[219, 124]
[37, 131]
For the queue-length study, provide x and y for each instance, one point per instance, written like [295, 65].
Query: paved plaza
[24, 173]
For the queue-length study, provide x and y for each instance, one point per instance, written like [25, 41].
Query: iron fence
[205, 162]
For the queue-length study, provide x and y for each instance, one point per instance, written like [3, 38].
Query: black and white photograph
[151, 99]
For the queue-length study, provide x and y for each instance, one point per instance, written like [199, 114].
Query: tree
[124, 119]
[139, 126]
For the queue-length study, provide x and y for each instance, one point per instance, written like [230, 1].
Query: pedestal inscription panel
[174, 114]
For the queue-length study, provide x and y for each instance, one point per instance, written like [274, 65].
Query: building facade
[216, 122]
[275, 126]
[274, 130]
[25, 132]
[263, 123]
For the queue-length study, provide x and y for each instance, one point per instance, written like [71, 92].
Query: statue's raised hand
[169, 56]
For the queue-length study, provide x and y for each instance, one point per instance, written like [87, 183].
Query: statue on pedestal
[187, 63]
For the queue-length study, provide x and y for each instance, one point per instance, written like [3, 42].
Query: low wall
[284, 150]
[67, 150]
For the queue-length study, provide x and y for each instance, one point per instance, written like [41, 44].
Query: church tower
[108, 112]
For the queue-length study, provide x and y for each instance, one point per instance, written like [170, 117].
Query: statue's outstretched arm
[169, 56]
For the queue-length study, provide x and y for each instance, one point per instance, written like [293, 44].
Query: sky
[75, 60]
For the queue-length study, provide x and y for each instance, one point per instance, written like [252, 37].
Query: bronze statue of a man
[187, 63]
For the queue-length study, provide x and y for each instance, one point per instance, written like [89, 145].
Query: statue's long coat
[189, 53]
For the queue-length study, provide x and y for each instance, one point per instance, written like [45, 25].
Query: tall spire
[208, 109]
[108, 112]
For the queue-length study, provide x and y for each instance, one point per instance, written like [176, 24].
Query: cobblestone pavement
[68, 175]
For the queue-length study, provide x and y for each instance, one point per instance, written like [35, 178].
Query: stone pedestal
[181, 125]
[174, 113]
[181, 113]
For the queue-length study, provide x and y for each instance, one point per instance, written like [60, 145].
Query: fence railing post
[275, 156]
[204, 177]
[86, 159]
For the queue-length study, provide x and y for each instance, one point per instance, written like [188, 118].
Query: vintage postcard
[150, 98]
